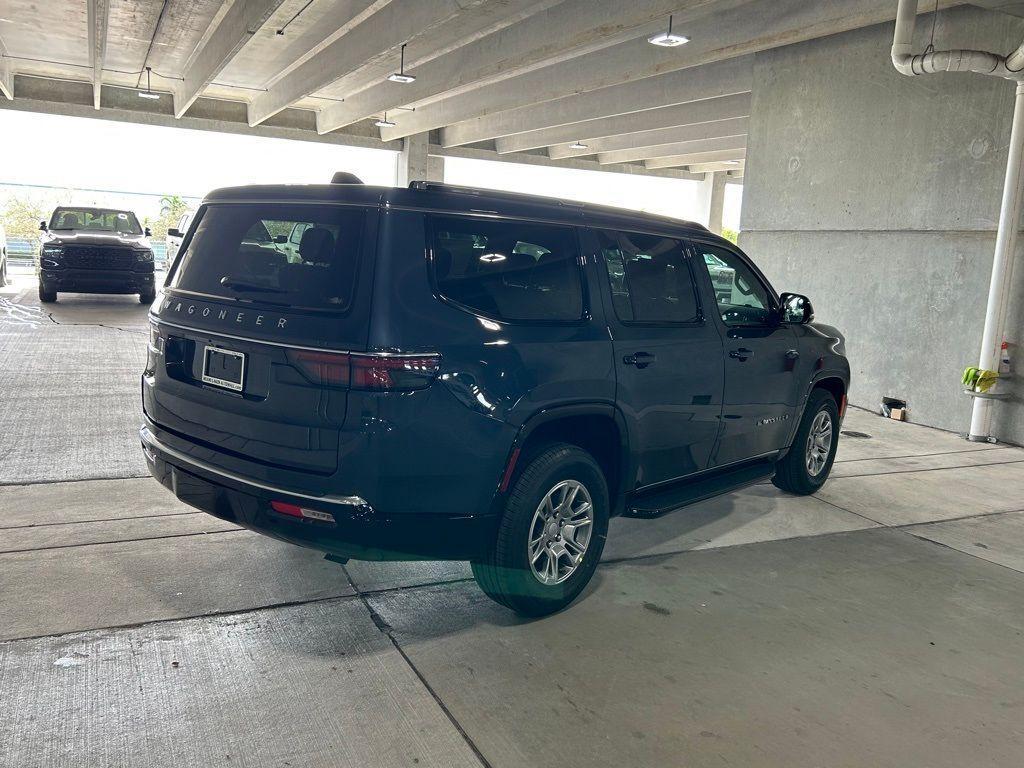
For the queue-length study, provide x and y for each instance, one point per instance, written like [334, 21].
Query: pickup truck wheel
[147, 297]
[807, 465]
[47, 297]
[551, 536]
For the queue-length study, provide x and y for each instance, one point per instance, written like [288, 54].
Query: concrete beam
[737, 126]
[1012, 7]
[241, 21]
[121, 104]
[548, 36]
[97, 15]
[379, 35]
[726, 143]
[752, 27]
[709, 110]
[422, 49]
[574, 163]
[735, 166]
[707, 82]
[697, 158]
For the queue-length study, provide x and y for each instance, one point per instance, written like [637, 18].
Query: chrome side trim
[150, 441]
[204, 332]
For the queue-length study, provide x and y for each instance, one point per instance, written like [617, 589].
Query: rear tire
[47, 297]
[544, 555]
[148, 297]
[807, 465]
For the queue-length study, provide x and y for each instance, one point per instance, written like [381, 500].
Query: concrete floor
[878, 623]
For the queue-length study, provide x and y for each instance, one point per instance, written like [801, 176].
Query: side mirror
[796, 308]
[281, 239]
[173, 232]
[42, 226]
[147, 232]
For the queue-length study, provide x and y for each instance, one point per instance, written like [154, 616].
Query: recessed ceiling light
[148, 94]
[668, 39]
[578, 145]
[732, 162]
[384, 122]
[400, 76]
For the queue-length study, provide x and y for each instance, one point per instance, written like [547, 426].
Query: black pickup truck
[94, 250]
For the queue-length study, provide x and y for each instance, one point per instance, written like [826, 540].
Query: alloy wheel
[819, 443]
[560, 532]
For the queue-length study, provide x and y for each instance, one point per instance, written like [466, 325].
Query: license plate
[224, 368]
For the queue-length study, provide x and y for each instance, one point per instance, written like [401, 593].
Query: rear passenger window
[510, 270]
[650, 278]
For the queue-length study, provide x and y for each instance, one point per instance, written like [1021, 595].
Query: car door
[761, 391]
[668, 356]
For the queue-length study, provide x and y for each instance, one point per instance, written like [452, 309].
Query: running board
[658, 503]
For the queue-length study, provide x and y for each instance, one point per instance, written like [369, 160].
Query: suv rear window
[302, 256]
[510, 270]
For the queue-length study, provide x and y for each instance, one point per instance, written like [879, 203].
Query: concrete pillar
[413, 162]
[716, 203]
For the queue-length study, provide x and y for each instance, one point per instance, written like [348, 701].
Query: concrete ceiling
[519, 78]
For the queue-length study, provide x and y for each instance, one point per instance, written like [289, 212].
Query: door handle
[792, 354]
[640, 359]
[741, 354]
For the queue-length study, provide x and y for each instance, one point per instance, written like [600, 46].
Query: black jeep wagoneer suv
[448, 373]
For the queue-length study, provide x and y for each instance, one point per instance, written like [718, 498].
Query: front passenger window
[742, 298]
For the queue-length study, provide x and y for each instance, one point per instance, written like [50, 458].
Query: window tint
[509, 270]
[742, 297]
[650, 278]
[244, 252]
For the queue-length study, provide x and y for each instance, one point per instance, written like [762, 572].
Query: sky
[86, 153]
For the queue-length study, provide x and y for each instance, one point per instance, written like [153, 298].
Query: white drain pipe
[1010, 67]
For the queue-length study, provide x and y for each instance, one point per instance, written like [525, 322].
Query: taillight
[327, 368]
[384, 373]
[380, 373]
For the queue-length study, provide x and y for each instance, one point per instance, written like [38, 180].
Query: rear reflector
[379, 373]
[296, 511]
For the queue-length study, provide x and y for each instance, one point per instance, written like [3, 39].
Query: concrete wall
[878, 195]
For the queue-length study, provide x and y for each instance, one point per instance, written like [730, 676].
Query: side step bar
[658, 503]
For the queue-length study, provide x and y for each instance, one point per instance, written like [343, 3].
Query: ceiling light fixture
[578, 145]
[384, 122]
[732, 162]
[668, 39]
[400, 76]
[148, 94]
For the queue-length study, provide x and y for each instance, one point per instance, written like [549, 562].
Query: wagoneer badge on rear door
[252, 319]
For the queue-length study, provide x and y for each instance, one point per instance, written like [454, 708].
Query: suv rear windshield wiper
[232, 282]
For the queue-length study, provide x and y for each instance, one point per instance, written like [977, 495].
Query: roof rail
[437, 186]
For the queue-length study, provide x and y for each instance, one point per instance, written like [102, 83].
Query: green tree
[730, 234]
[171, 209]
[21, 217]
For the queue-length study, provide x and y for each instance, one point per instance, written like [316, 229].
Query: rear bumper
[359, 532]
[96, 281]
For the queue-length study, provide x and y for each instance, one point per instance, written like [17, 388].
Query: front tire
[147, 297]
[45, 296]
[806, 466]
[551, 535]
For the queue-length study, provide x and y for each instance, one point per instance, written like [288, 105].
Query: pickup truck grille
[98, 257]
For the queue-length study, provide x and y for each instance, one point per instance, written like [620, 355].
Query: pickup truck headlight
[53, 250]
[144, 256]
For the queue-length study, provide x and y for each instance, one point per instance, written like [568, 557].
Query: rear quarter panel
[494, 376]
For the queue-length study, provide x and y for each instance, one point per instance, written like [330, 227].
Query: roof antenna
[343, 177]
